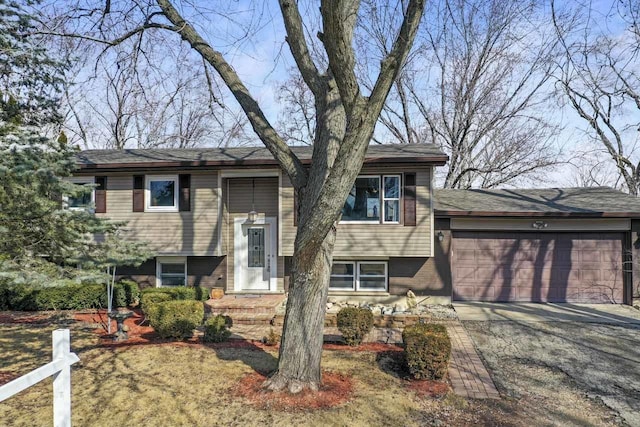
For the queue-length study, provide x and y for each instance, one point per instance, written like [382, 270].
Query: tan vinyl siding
[190, 233]
[373, 240]
[239, 198]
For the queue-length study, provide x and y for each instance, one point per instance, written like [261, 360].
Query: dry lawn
[192, 385]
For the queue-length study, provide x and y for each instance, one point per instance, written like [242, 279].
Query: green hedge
[177, 293]
[427, 350]
[354, 323]
[149, 299]
[72, 296]
[215, 329]
[175, 319]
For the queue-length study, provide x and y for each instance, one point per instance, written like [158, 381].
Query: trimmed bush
[427, 350]
[175, 319]
[72, 296]
[354, 323]
[215, 329]
[180, 292]
[149, 299]
[131, 291]
[19, 297]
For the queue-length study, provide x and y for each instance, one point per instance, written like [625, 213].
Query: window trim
[386, 276]
[384, 199]
[381, 198]
[147, 193]
[353, 276]
[170, 260]
[356, 277]
[81, 180]
[346, 221]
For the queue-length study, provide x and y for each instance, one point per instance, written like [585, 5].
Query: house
[225, 218]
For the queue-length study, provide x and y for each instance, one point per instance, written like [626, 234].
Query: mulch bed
[336, 389]
[6, 376]
[428, 388]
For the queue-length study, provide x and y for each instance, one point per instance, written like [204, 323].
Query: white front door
[254, 255]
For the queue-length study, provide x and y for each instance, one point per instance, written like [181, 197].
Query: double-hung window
[83, 201]
[161, 193]
[373, 199]
[171, 271]
[366, 276]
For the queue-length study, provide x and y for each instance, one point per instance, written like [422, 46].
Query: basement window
[365, 276]
[171, 271]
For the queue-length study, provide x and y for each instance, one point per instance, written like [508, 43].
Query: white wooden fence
[60, 369]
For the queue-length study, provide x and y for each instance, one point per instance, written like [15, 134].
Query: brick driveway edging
[469, 377]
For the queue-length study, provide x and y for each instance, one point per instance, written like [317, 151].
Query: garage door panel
[541, 267]
[463, 255]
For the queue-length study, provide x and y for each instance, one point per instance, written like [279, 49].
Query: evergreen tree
[37, 235]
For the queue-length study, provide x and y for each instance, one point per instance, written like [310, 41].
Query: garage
[562, 245]
[537, 267]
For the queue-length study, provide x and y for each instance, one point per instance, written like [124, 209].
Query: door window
[256, 247]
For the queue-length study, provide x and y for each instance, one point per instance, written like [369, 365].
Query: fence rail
[60, 369]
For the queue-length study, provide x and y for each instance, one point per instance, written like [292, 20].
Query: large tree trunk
[301, 346]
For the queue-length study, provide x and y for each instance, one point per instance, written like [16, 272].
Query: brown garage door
[538, 267]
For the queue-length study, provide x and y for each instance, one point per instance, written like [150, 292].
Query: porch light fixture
[539, 225]
[253, 215]
[440, 236]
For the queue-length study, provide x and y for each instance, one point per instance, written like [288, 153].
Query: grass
[178, 384]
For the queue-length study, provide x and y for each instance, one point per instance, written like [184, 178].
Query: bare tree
[599, 80]
[477, 85]
[345, 118]
[136, 94]
[297, 121]
[485, 100]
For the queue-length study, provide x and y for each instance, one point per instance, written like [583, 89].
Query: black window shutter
[138, 193]
[101, 194]
[184, 201]
[410, 199]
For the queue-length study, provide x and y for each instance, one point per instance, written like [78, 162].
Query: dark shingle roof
[598, 201]
[238, 156]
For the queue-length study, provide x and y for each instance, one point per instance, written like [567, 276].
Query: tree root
[279, 382]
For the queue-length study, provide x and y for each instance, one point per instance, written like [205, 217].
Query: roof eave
[507, 214]
[431, 160]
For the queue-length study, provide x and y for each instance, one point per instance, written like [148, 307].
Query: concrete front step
[239, 305]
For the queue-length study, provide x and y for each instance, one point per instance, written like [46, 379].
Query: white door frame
[238, 246]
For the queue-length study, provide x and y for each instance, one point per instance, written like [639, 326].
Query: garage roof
[242, 156]
[578, 202]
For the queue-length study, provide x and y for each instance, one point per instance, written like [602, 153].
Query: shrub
[180, 292]
[215, 329]
[149, 299]
[272, 339]
[131, 291]
[175, 319]
[19, 297]
[354, 323]
[427, 350]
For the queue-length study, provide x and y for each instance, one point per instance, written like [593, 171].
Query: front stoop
[246, 309]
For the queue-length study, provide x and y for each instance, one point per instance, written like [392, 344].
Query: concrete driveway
[531, 312]
[568, 364]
